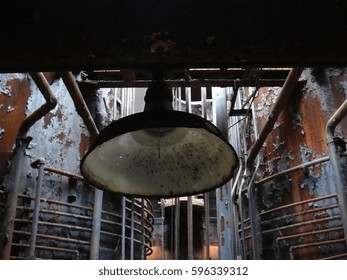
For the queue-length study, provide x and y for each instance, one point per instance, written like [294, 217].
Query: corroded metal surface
[299, 137]
[14, 92]
[65, 219]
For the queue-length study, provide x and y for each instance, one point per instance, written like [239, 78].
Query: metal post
[142, 229]
[132, 230]
[189, 199]
[177, 227]
[223, 199]
[253, 210]
[235, 245]
[207, 224]
[335, 162]
[123, 226]
[11, 206]
[190, 226]
[206, 195]
[162, 228]
[40, 164]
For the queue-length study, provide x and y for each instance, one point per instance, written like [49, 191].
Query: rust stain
[61, 136]
[69, 143]
[84, 144]
[20, 92]
[314, 125]
[222, 223]
[59, 114]
[48, 119]
[311, 121]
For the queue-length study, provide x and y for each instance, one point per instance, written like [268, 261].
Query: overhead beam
[39, 35]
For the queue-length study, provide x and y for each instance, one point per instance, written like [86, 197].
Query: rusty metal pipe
[186, 83]
[314, 244]
[40, 163]
[335, 257]
[328, 219]
[51, 103]
[281, 102]
[80, 104]
[301, 213]
[83, 111]
[17, 164]
[46, 248]
[286, 237]
[58, 238]
[298, 203]
[337, 117]
[64, 173]
[295, 168]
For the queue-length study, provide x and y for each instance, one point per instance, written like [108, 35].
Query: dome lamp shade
[159, 152]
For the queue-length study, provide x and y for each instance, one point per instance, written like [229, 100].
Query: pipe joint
[36, 163]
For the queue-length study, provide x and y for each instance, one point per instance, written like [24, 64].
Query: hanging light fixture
[159, 152]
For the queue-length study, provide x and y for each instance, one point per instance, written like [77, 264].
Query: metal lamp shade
[159, 154]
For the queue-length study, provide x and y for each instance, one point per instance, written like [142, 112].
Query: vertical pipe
[142, 229]
[253, 211]
[190, 226]
[172, 227]
[189, 199]
[132, 229]
[177, 199]
[242, 252]
[40, 163]
[115, 104]
[11, 206]
[223, 199]
[207, 224]
[177, 227]
[122, 108]
[22, 143]
[96, 225]
[162, 229]
[206, 195]
[180, 99]
[123, 226]
[235, 245]
[233, 224]
[246, 181]
[335, 162]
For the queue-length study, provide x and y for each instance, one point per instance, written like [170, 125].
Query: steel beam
[86, 34]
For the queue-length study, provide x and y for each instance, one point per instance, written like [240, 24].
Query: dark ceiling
[42, 35]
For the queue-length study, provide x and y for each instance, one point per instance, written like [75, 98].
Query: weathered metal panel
[14, 92]
[299, 137]
[66, 207]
